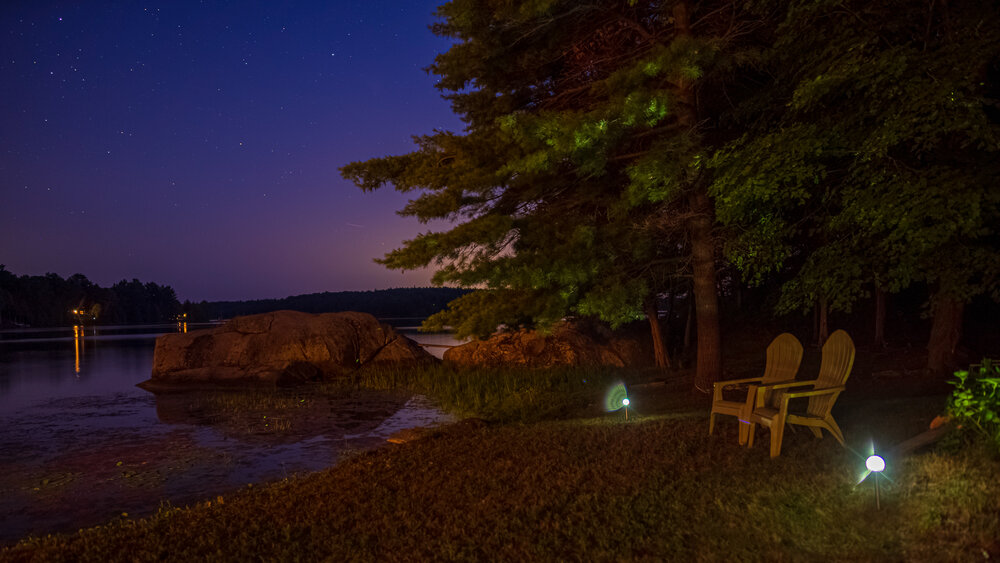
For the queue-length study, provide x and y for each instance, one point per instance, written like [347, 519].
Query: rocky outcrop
[282, 347]
[566, 345]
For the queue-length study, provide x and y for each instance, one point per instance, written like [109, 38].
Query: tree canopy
[873, 160]
[611, 147]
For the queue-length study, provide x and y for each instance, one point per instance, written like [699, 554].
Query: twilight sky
[196, 144]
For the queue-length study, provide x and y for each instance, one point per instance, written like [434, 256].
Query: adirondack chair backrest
[834, 368]
[783, 358]
[784, 355]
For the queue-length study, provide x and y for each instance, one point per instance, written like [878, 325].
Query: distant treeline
[50, 300]
[401, 302]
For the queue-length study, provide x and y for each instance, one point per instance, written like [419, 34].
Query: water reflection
[281, 416]
[81, 444]
[79, 461]
[76, 347]
[95, 332]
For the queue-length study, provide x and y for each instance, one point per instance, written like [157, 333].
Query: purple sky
[196, 144]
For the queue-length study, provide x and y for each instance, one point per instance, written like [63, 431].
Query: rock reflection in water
[281, 416]
[79, 462]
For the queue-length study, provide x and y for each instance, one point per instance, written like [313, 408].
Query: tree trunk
[946, 331]
[822, 328]
[670, 308]
[815, 323]
[659, 343]
[688, 325]
[708, 362]
[879, 339]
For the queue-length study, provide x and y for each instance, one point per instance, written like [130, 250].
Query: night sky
[196, 144]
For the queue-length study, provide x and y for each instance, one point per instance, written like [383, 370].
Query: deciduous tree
[874, 157]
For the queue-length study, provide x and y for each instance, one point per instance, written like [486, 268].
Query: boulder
[568, 344]
[281, 347]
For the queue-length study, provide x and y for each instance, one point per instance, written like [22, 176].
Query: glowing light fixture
[875, 464]
[616, 399]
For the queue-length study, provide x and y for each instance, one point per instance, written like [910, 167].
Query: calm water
[81, 444]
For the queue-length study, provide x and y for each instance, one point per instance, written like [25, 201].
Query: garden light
[617, 399]
[875, 464]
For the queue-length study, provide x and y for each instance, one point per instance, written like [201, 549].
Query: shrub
[975, 402]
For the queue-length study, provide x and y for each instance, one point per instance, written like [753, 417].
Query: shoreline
[177, 459]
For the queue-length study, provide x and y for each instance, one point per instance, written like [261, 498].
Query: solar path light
[617, 399]
[875, 464]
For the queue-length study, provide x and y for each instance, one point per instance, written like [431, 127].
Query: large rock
[566, 345]
[279, 348]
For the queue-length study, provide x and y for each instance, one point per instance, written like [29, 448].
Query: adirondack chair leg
[835, 430]
[777, 432]
[711, 423]
[742, 419]
[816, 431]
[751, 430]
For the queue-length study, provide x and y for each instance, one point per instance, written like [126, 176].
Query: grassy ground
[590, 488]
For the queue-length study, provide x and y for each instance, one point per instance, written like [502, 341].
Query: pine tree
[579, 182]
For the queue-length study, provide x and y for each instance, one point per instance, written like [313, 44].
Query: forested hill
[400, 302]
[50, 300]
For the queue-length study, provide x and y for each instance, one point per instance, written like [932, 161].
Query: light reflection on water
[79, 448]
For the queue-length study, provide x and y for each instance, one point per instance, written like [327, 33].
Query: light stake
[876, 465]
[625, 403]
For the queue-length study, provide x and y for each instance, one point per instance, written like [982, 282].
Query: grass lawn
[595, 488]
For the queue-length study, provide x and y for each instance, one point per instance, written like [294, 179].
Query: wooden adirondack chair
[784, 355]
[835, 367]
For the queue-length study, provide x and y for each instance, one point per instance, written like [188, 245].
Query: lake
[81, 444]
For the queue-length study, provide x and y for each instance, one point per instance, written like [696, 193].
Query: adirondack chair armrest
[737, 381]
[787, 384]
[718, 386]
[785, 397]
[763, 389]
[813, 392]
[728, 382]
